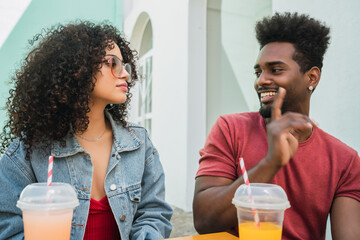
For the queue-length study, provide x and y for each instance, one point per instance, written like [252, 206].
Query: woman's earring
[311, 88]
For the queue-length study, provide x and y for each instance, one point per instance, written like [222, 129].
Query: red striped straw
[247, 182]
[50, 171]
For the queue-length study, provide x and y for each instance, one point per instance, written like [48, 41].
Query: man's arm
[212, 207]
[345, 219]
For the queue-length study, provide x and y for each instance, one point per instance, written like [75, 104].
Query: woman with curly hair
[70, 101]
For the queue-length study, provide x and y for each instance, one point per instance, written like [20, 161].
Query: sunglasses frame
[124, 66]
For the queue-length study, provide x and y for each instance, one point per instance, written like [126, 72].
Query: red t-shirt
[101, 224]
[323, 168]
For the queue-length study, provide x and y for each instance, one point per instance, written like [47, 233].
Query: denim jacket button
[122, 218]
[112, 187]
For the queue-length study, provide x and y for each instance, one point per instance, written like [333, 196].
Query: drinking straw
[49, 178]
[247, 182]
[50, 171]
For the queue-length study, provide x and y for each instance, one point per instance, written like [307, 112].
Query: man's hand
[284, 132]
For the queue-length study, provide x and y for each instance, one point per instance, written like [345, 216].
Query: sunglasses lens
[128, 70]
[116, 66]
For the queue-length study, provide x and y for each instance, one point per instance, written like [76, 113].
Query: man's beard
[266, 110]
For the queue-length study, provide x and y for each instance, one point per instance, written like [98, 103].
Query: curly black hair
[52, 87]
[309, 36]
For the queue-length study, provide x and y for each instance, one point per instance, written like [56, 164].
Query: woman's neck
[97, 124]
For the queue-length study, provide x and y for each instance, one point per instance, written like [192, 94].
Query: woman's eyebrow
[112, 55]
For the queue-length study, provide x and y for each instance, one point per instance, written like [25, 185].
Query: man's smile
[267, 96]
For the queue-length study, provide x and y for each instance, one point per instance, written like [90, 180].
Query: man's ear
[313, 77]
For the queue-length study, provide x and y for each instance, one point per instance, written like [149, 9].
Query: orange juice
[267, 231]
[47, 224]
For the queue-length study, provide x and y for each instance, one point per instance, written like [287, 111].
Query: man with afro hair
[280, 144]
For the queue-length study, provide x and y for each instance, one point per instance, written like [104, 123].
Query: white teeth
[267, 94]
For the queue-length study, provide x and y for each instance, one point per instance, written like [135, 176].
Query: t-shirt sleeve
[349, 184]
[217, 156]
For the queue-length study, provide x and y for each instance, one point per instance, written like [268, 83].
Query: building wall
[41, 14]
[170, 124]
[231, 53]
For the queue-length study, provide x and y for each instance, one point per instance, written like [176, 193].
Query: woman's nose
[124, 74]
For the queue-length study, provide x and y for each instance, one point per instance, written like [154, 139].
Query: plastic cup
[47, 210]
[269, 202]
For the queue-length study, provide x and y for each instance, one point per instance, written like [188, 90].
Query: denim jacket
[134, 184]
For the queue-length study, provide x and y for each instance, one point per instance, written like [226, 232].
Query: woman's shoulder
[135, 128]
[135, 125]
[15, 148]
[139, 131]
[131, 132]
[15, 154]
[17, 151]
[120, 127]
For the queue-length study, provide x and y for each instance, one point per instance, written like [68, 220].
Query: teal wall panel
[43, 14]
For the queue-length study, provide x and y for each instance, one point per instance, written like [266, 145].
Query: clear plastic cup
[269, 203]
[47, 211]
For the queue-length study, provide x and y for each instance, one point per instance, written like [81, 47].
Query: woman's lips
[123, 87]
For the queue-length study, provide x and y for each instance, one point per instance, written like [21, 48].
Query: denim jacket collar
[124, 140]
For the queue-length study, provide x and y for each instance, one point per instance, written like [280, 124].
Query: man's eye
[276, 70]
[257, 73]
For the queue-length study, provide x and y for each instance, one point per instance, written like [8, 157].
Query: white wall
[335, 103]
[174, 133]
[196, 100]
[231, 53]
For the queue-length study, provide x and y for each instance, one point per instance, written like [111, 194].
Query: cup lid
[39, 196]
[265, 196]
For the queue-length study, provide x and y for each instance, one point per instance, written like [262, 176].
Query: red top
[322, 169]
[101, 224]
